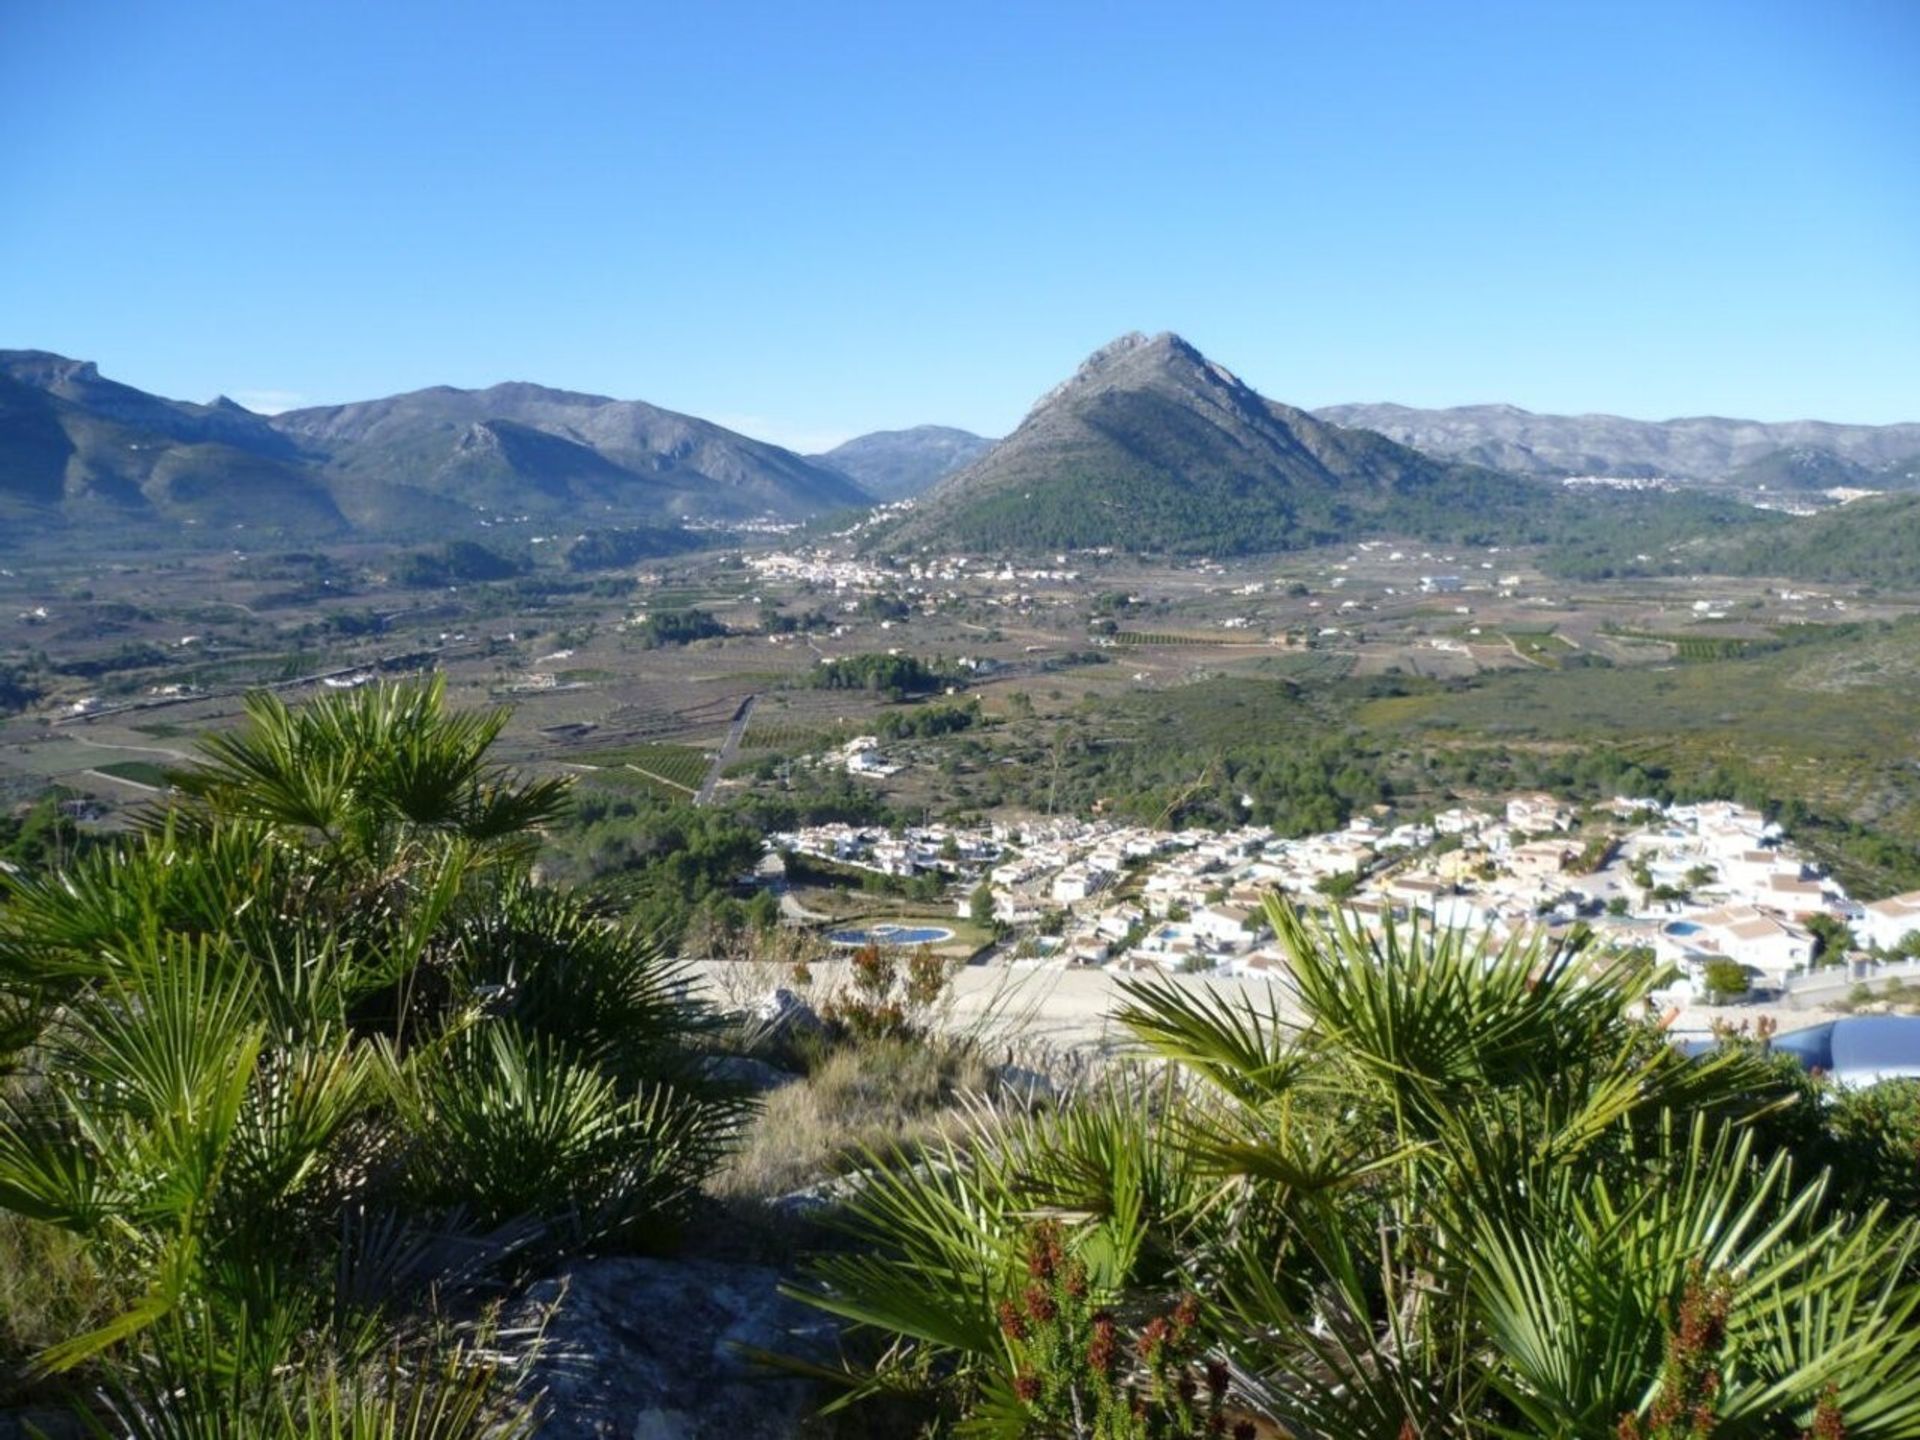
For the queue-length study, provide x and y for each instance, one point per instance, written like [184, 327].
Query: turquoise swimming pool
[892, 935]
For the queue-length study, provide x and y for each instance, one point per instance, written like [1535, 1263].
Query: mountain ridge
[1699, 448]
[77, 447]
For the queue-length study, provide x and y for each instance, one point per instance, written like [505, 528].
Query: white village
[1689, 885]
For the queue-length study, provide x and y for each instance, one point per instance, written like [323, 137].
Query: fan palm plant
[269, 1051]
[1447, 1188]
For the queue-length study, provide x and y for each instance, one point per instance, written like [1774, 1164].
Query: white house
[1537, 812]
[1765, 943]
[1885, 923]
[1225, 925]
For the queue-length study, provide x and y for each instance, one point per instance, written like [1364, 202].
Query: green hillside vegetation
[1608, 535]
[456, 562]
[919, 722]
[616, 548]
[1803, 726]
[1157, 477]
[1869, 542]
[678, 627]
[895, 676]
[1801, 469]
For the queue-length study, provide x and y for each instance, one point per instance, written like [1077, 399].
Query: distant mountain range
[1150, 445]
[1798, 454]
[897, 464]
[78, 449]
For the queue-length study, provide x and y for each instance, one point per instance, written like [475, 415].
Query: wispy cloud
[804, 439]
[269, 402]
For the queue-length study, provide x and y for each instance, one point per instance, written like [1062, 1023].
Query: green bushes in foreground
[1462, 1194]
[302, 1062]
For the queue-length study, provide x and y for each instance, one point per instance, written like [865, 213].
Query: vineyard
[1696, 647]
[1310, 667]
[673, 772]
[785, 735]
[1169, 638]
[685, 597]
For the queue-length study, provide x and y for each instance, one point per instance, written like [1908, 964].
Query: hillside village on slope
[1690, 884]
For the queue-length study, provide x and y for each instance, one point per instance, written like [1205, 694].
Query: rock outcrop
[644, 1349]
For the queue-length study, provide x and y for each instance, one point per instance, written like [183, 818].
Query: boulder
[747, 1073]
[781, 1014]
[644, 1349]
[1028, 1089]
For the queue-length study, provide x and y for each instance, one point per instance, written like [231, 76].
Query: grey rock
[748, 1073]
[781, 1014]
[816, 1199]
[1027, 1088]
[78, 446]
[650, 1349]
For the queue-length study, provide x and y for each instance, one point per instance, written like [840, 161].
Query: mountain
[520, 446]
[898, 464]
[1706, 448]
[79, 452]
[1150, 445]
[1804, 469]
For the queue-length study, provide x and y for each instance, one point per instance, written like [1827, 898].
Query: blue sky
[810, 220]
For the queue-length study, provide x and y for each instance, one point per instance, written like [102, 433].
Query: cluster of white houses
[1692, 883]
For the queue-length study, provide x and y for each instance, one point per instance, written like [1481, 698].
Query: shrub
[886, 999]
[1725, 979]
[1452, 1187]
[311, 1048]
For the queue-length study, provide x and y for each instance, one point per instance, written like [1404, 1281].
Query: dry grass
[49, 1291]
[854, 1099]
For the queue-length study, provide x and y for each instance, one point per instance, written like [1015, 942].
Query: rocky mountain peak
[47, 371]
[1137, 360]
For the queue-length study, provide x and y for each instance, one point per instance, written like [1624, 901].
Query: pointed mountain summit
[1152, 446]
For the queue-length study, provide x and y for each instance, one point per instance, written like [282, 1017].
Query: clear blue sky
[812, 219]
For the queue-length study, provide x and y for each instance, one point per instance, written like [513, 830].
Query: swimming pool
[1682, 927]
[892, 935]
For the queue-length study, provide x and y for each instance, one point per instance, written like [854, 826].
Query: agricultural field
[1175, 688]
[673, 772]
[1544, 647]
[1165, 639]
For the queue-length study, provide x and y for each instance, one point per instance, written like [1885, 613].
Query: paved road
[728, 749]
